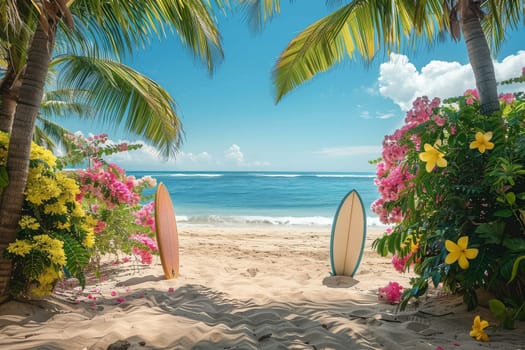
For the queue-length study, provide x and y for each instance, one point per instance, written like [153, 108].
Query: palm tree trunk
[30, 98]
[8, 98]
[480, 58]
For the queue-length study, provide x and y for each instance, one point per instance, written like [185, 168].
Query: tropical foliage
[54, 232]
[452, 184]
[102, 31]
[123, 220]
[71, 218]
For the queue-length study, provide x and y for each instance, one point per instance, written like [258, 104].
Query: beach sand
[246, 288]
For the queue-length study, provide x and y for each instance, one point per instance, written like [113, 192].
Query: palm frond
[65, 103]
[122, 95]
[42, 139]
[259, 12]
[362, 27]
[51, 135]
[501, 14]
[16, 33]
[119, 26]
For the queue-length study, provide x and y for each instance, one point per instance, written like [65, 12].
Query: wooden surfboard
[348, 235]
[167, 234]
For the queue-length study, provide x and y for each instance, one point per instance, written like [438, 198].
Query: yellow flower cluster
[77, 210]
[89, 241]
[40, 188]
[69, 186]
[43, 154]
[53, 247]
[4, 141]
[46, 281]
[62, 225]
[20, 247]
[28, 222]
[53, 195]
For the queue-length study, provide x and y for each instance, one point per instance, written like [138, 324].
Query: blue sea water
[272, 198]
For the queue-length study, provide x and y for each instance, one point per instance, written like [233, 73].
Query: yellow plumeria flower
[432, 157]
[478, 329]
[459, 252]
[482, 142]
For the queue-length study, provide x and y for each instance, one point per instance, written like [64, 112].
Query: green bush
[452, 183]
[54, 232]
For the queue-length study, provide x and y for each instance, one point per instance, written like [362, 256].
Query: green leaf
[515, 267]
[511, 197]
[491, 232]
[436, 277]
[77, 256]
[497, 308]
[515, 244]
[34, 264]
[503, 213]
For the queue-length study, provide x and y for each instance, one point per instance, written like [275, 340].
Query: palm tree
[363, 27]
[116, 26]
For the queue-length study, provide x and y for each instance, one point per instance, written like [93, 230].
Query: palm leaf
[41, 138]
[122, 95]
[48, 134]
[501, 14]
[119, 26]
[360, 27]
[64, 103]
[258, 12]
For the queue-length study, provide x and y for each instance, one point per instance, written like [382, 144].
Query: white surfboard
[348, 235]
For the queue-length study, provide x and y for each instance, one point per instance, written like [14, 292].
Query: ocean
[263, 198]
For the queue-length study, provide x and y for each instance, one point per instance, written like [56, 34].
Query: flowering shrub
[113, 199]
[452, 184]
[54, 232]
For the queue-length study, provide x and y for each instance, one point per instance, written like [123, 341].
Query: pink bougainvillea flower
[432, 157]
[473, 93]
[507, 98]
[460, 253]
[121, 300]
[113, 293]
[171, 290]
[478, 329]
[390, 293]
[482, 142]
[400, 263]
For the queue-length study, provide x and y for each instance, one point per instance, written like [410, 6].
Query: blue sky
[335, 122]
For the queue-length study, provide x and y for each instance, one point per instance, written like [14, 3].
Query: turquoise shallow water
[273, 198]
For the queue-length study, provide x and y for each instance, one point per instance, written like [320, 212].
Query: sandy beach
[246, 288]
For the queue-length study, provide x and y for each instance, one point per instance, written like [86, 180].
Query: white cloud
[365, 115]
[148, 158]
[386, 115]
[349, 151]
[400, 81]
[234, 153]
[378, 115]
